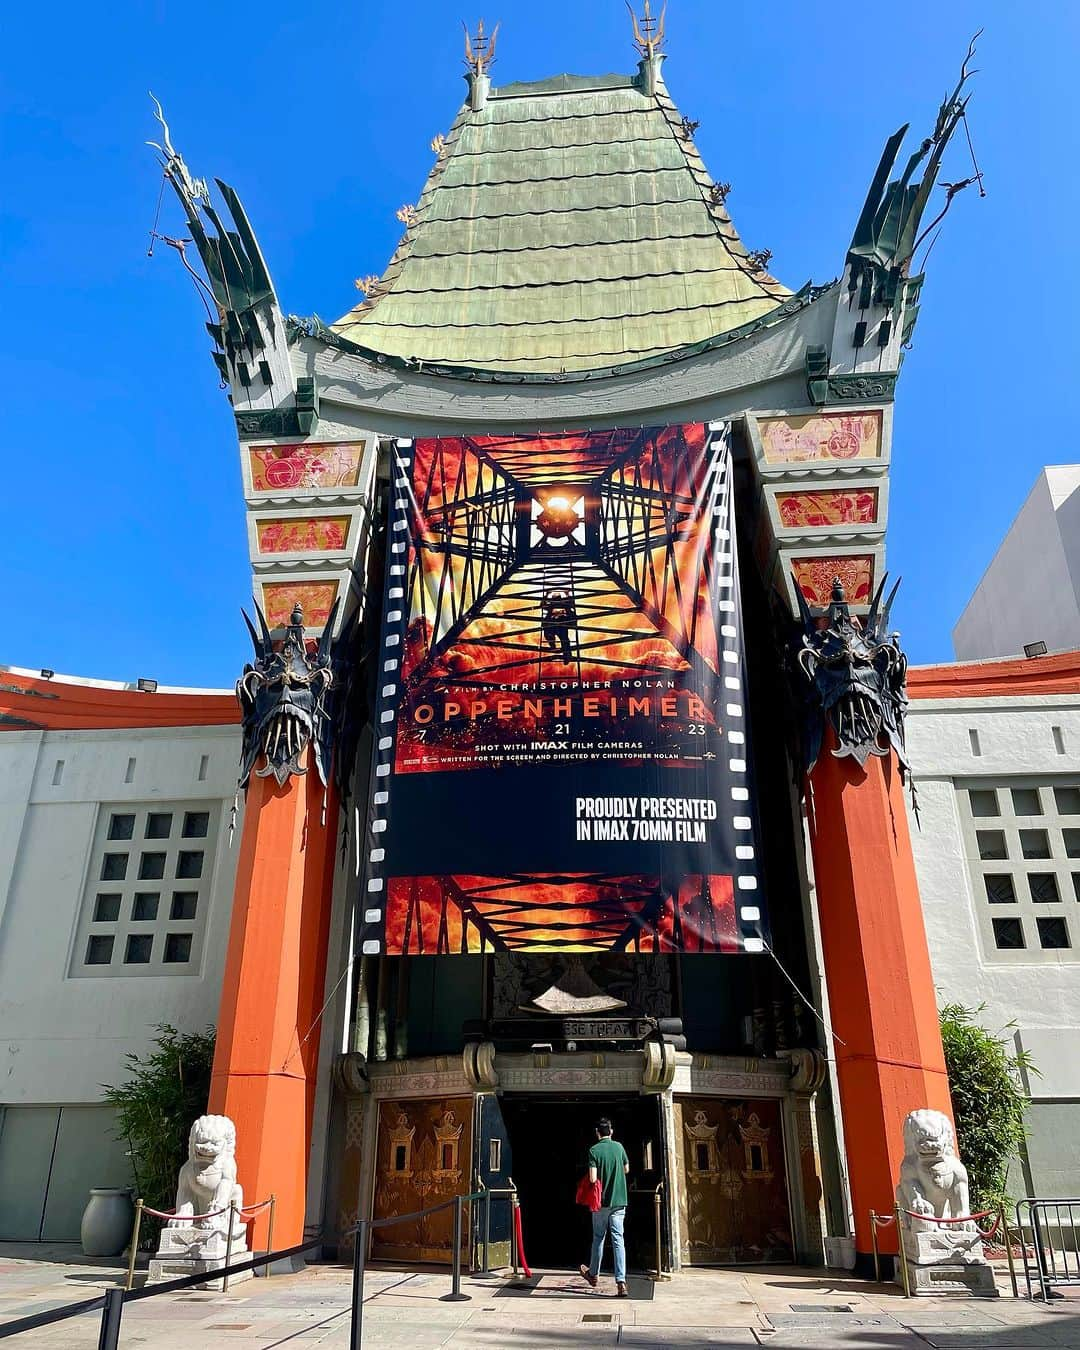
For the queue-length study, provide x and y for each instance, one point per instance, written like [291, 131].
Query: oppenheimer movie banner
[561, 743]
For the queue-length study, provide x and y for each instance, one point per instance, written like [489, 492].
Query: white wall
[1040, 993]
[61, 1038]
[1029, 591]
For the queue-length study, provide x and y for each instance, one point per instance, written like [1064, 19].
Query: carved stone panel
[643, 983]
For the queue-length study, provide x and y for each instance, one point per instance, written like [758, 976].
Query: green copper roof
[567, 225]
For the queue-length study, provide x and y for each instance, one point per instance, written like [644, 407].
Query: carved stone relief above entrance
[643, 984]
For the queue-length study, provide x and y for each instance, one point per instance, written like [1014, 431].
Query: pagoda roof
[567, 225]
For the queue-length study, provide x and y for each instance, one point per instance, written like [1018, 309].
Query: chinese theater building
[573, 750]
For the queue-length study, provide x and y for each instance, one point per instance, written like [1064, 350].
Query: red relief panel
[317, 598]
[855, 506]
[814, 577]
[787, 440]
[315, 534]
[282, 468]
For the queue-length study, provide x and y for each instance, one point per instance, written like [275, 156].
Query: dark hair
[603, 1125]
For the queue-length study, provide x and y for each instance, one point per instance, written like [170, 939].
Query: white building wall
[1035, 995]
[63, 1036]
[1029, 592]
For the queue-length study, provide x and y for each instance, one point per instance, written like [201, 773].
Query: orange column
[877, 966]
[266, 1058]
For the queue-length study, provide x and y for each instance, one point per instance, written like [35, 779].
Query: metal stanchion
[902, 1253]
[269, 1267]
[228, 1247]
[515, 1265]
[658, 1203]
[109, 1336]
[356, 1334]
[455, 1295]
[1009, 1251]
[134, 1244]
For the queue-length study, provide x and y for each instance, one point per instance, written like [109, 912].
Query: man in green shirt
[609, 1165]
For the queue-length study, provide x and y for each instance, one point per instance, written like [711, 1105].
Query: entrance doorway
[551, 1140]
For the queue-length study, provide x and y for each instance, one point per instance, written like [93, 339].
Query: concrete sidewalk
[784, 1307]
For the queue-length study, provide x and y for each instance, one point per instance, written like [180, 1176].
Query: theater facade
[572, 738]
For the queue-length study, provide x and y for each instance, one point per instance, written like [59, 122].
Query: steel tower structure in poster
[561, 748]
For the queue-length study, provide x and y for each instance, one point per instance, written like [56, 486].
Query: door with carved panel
[423, 1157]
[733, 1195]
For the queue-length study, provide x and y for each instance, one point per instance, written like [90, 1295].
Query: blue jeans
[608, 1218]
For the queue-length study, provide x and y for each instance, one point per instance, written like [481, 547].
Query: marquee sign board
[562, 760]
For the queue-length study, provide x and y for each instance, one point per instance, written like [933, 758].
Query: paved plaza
[778, 1306]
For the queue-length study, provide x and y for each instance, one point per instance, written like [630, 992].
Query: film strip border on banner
[733, 683]
[394, 621]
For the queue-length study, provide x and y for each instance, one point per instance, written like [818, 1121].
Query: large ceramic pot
[107, 1221]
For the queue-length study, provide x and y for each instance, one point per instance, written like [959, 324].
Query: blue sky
[125, 551]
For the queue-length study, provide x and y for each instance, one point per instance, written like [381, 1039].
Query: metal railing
[362, 1229]
[657, 1193]
[1054, 1258]
[111, 1303]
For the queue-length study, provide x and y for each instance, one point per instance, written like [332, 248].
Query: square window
[151, 866]
[984, 802]
[106, 909]
[145, 906]
[158, 824]
[992, 845]
[1072, 842]
[138, 949]
[999, 888]
[1043, 887]
[196, 824]
[1026, 802]
[189, 864]
[1068, 800]
[1008, 933]
[114, 866]
[178, 948]
[184, 904]
[99, 950]
[1035, 843]
[121, 827]
[1053, 932]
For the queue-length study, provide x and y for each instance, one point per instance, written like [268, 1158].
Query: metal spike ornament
[480, 49]
[649, 32]
[283, 701]
[854, 675]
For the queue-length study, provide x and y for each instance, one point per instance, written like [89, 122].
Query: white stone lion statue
[207, 1180]
[933, 1180]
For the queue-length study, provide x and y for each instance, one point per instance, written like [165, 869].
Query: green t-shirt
[609, 1158]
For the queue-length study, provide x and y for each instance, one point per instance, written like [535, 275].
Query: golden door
[733, 1197]
[422, 1158]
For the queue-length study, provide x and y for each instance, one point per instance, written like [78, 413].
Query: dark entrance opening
[551, 1141]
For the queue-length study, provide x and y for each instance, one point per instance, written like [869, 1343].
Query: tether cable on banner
[780, 966]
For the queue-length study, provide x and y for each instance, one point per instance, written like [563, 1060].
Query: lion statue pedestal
[942, 1258]
[196, 1240]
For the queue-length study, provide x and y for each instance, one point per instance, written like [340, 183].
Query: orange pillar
[266, 1058]
[877, 966]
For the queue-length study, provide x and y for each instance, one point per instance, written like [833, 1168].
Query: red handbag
[588, 1194]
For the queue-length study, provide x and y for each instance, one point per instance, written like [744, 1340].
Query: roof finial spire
[480, 49]
[479, 57]
[649, 32]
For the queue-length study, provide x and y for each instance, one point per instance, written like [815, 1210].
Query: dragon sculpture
[854, 675]
[284, 701]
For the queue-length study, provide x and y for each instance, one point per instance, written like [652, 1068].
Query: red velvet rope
[883, 1220]
[245, 1213]
[521, 1243]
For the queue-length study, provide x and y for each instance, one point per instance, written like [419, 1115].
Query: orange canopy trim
[33, 702]
[1008, 677]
